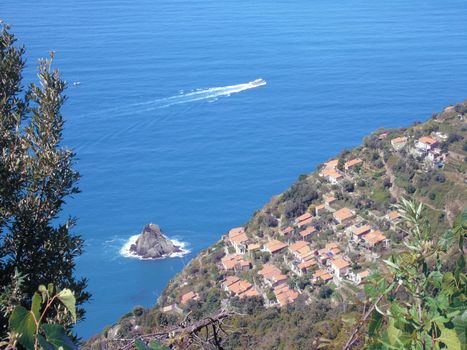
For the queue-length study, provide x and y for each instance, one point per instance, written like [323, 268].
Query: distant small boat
[258, 82]
[76, 83]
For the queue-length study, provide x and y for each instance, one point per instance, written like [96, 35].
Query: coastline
[127, 253]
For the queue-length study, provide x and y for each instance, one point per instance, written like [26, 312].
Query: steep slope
[294, 272]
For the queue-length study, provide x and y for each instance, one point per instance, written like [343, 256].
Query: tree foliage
[419, 303]
[36, 176]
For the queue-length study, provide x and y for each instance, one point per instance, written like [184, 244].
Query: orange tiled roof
[340, 263]
[343, 214]
[287, 230]
[332, 163]
[374, 238]
[400, 139]
[332, 173]
[305, 222]
[308, 231]
[254, 246]
[275, 246]
[229, 280]
[428, 140]
[306, 264]
[358, 231]
[352, 163]
[239, 287]
[269, 270]
[232, 261]
[238, 235]
[329, 199]
[188, 296]
[303, 217]
[394, 215]
[364, 273]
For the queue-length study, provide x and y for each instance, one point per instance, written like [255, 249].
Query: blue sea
[169, 129]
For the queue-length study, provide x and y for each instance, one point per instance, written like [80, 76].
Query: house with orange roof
[238, 287]
[399, 143]
[306, 222]
[301, 250]
[332, 175]
[351, 164]
[253, 247]
[328, 252]
[275, 246]
[303, 217]
[235, 262]
[329, 200]
[394, 217]
[321, 276]
[272, 275]
[189, 296]
[340, 267]
[285, 295]
[304, 266]
[287, 231]
[238, 239]
[319, 209]
[332, 164]
[344, 216]
[307, 233]
[359, 277]
[359, 231]
[374, 238]
[426, 143]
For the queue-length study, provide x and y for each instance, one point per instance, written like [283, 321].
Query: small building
[399, 143]
[307, 234]
[301, 250]
[305, 223]
[304, 266]
[359, 232]
[303, 217]
[235, 262]
[394, 217]
[344, 216]
[332, 175]
[173, 308]
[238, 239]
[426, 143]
[382, 136]
[238, 287]
[254, 247]
[359, 277]
[374, 239]
[340, 267]
[274, 246]
[285, 295]
[189, 296]
[332, 164]
[329, 200]
[287, 231]
[351, 164]
[321, 276]
[272, 275]
[319, 209]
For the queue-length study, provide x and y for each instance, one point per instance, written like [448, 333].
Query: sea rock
[152, 244]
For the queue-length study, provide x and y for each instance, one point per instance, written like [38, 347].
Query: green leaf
[141, 345]
[393, 333]
[375, 323]
[36, 305]
[449, 338]
[42, 288]
[22, 322]
[57, 336]
[155, 345]
[44, 343]
[460, 326]
[68, 299]
[50, 288]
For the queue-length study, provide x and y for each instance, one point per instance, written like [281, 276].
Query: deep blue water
[335, 71]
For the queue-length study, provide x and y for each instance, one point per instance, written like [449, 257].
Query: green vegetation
[34, 329]
[36, 177]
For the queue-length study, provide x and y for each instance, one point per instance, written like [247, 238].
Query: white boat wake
[210, 95]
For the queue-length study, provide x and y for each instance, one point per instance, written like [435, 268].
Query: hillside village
[301, 261]
[340, 237]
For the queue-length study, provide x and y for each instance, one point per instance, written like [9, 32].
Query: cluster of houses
[426, 147]
[332, 174]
